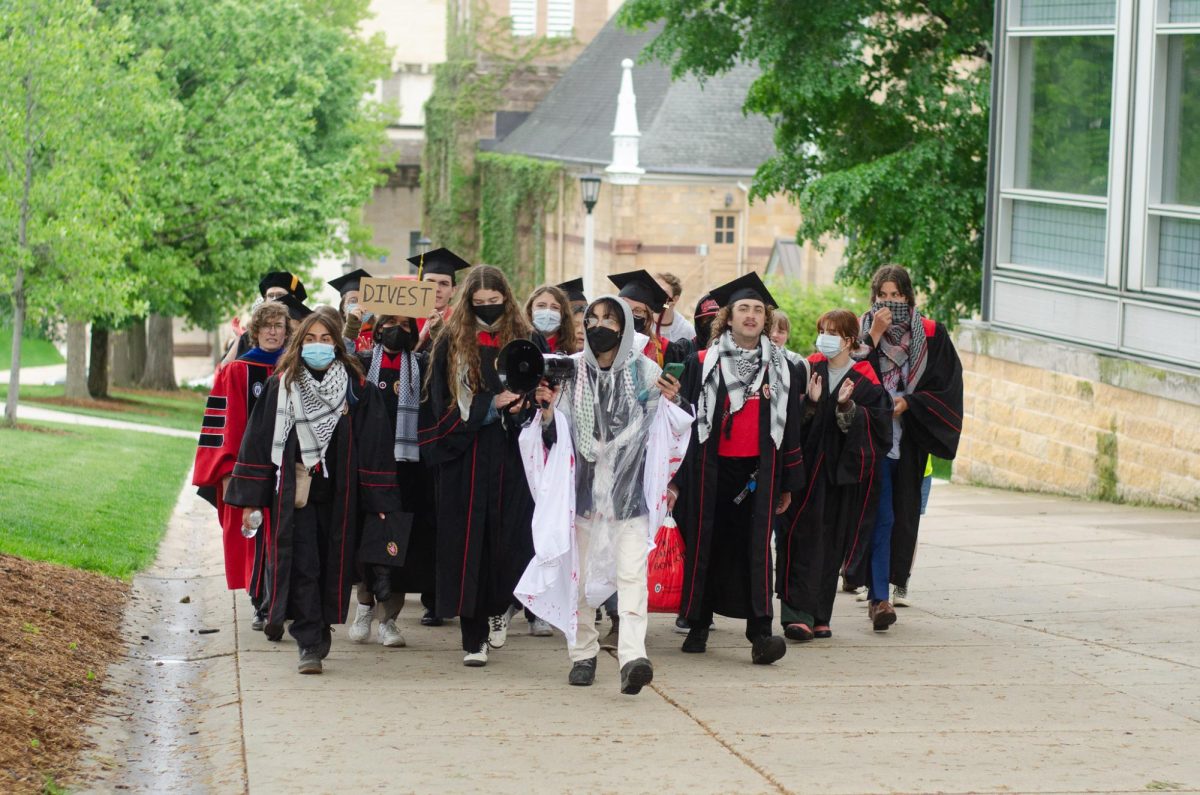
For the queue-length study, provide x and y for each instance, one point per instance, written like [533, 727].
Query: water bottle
[252, 523]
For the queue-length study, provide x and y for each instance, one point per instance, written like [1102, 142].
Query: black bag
[384, 541]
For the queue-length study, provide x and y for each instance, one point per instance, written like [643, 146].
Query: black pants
[309, 538]
[474, 632]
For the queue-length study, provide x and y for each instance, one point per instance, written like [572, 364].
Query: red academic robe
[236, 388]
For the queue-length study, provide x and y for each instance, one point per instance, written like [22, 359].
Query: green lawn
[34, 352]
[182, 409]
[91, 498]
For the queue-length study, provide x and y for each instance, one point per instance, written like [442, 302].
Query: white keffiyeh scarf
[743, 372]
[313, 407]
[408, 398]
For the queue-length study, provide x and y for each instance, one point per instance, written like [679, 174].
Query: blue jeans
[881, 536]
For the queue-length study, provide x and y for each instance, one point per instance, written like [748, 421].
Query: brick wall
[1044, 416]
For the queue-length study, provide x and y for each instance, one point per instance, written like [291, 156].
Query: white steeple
[623, 169]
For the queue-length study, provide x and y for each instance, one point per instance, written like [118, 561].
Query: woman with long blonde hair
[468, 433]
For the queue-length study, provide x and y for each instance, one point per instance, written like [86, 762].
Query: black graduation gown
[695, 511]
[415, 482]
[830, 521]
[931, 426]
[362, 479]
[484, 507]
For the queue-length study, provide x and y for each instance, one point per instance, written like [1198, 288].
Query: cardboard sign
[397, 297]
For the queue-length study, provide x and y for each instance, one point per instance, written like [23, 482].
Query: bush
[804, 304]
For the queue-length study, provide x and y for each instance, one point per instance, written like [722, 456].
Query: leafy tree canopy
[880, 111]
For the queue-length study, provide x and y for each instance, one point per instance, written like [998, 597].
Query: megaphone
[521, 366]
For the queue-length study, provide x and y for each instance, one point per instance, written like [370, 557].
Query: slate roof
[687, 127]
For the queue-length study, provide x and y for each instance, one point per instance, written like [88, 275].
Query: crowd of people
[356, 457]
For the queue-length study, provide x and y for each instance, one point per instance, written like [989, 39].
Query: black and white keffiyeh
[408, 398]
[743, 372]
[903, 343]
[313, 408]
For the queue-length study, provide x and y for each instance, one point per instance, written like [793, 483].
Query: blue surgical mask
[546, 321]
[317, 355]
[830, 345]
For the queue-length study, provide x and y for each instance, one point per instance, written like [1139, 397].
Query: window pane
[1185, 11]
[720, 222]
[729, 237]
[560, 17]
[1059, 238]
[718, 237]
[1181, 122]
[1064, 113]
[1068, 12]
[1179, 254]
[524, 17]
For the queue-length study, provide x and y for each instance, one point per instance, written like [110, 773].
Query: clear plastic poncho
[610, 413]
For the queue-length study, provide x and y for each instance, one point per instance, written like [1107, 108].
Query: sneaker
[310, 661]
[540, 628]
[900, 596]
[696, 642]
[476, 659]
[326, 642]
[430, 620]
[360, 627]
[682, 626]
[849, 587]
[389, 635]
[863, 595]
[497, 631]
[259, 621]
[614, 635]
[882, 615]
[767, 649]
[635, 675]
[583, 673]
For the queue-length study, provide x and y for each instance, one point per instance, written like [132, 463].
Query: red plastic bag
[664, 569]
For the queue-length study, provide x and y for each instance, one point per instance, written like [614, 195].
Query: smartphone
[674, 369]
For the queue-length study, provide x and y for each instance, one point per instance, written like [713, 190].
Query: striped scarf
[743, 372]
[408, 400]
[903, 343]
[313, 407]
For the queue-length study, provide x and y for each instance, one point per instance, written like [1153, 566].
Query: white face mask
[830, 345]
[546, 321]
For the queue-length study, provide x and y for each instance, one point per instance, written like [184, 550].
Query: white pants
[630, 542]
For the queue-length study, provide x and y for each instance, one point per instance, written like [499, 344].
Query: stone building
[676, 159]
[1084, 375]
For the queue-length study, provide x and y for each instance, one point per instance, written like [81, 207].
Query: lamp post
[589, 189]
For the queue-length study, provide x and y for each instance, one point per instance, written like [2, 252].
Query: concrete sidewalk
[1052, 648]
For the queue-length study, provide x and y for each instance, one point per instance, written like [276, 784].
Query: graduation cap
[574, 290]
[283, 279]
[296, 309]
[748, 286]
[640, 286]
[440, 260]
[349, 282]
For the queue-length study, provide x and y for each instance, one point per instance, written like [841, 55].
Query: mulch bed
[59, 630]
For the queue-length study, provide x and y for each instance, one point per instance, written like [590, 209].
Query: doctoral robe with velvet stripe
[362, 479]
[829, 522]
[236, 388]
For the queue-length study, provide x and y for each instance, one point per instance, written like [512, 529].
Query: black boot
[766, 649]
[583, 673]
[635, 675]
[696, 641]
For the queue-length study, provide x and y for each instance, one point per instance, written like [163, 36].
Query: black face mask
[489, 313]
[397, 338]
[639, 324]
[602, 340]
[703, 326]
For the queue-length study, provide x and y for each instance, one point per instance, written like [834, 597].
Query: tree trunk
[136, 336]
[119, 366]
[97, 379]
[14, 373]
[160, 355]
[77, 388]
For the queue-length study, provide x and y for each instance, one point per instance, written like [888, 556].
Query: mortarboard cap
[748, 286]
[440, 260]
[296, 308]
[640, 286]
[349, 282]
[574, 290]
[287, 281]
